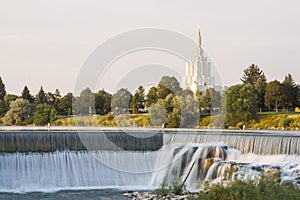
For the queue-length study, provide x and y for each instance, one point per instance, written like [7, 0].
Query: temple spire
[198, 39]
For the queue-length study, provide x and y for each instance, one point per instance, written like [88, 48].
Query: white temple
[198, 70]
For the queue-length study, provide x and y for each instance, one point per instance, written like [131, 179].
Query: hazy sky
[46, 42]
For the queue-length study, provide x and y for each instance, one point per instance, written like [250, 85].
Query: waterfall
[247, 143]
[26, 172]
[50, 161]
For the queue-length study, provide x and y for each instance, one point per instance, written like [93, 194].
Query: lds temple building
[198, 71]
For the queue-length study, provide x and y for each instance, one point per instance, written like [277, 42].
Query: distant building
[198, 71]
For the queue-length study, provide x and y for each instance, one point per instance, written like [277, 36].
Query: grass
[175, 188]
[249, 190]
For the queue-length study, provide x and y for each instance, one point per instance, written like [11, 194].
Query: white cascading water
[205, 156]
[27, 172]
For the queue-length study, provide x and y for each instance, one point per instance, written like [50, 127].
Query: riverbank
[264, 121]
[267, 121]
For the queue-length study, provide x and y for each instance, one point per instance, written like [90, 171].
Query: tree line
[166, 103]
[256, 94]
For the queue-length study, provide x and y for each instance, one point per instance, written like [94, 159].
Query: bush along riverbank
[266, 186]
[266, 121]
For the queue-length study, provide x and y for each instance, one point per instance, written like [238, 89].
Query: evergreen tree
[138, 100]
[289, 92]
[151, 96]
[2, 89]
[42, 114]
[26, 95]
[251, 74]
[64, 106]
[40, 97]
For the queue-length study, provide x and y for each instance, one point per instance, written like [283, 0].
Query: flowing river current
[95, 164]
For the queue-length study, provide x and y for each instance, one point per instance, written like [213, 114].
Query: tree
[53, 115]
[42, 114]
[56, 99]
[199, 98]
[138, 100]
[273, 96]
[151, 96]
[240, 104]
[85, 103]
[121, 101]
[206, 101]
[2, 89]
[20, 113]
[40, 97]
[102, 102]
[157, 114]
[211, 101]
[189, 109]
[5, 103]
[174, 117]
[167, 85]
[251, 74]
[50, 99]
[26, 95]
[3, 108]
[290, 92]
[260, 87]
[64, 106]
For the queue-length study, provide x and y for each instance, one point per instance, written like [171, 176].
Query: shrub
[176, 188]
[265, 189]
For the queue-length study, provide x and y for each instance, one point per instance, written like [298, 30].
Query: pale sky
[46, 42]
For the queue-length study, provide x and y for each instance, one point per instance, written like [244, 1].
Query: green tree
[53, 115]
[5, 103]
[199, 99]
[85, 103]
[57, 97]
[290, 92]
[298, 96]
[121, 101]
[138, 100]
[206, 101]
[174, 117]
[189, 109]
[26, 95]
[40, 97]
[42, 114]
[20, 113]
[102, 102]
[3, 108]
[157, 114]
[211, 101]
[151, 96]
[240, 104]
[166, 86]
[2, 89]
[251, 74]
[64, 106]
[260, 87]
[274, 94]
